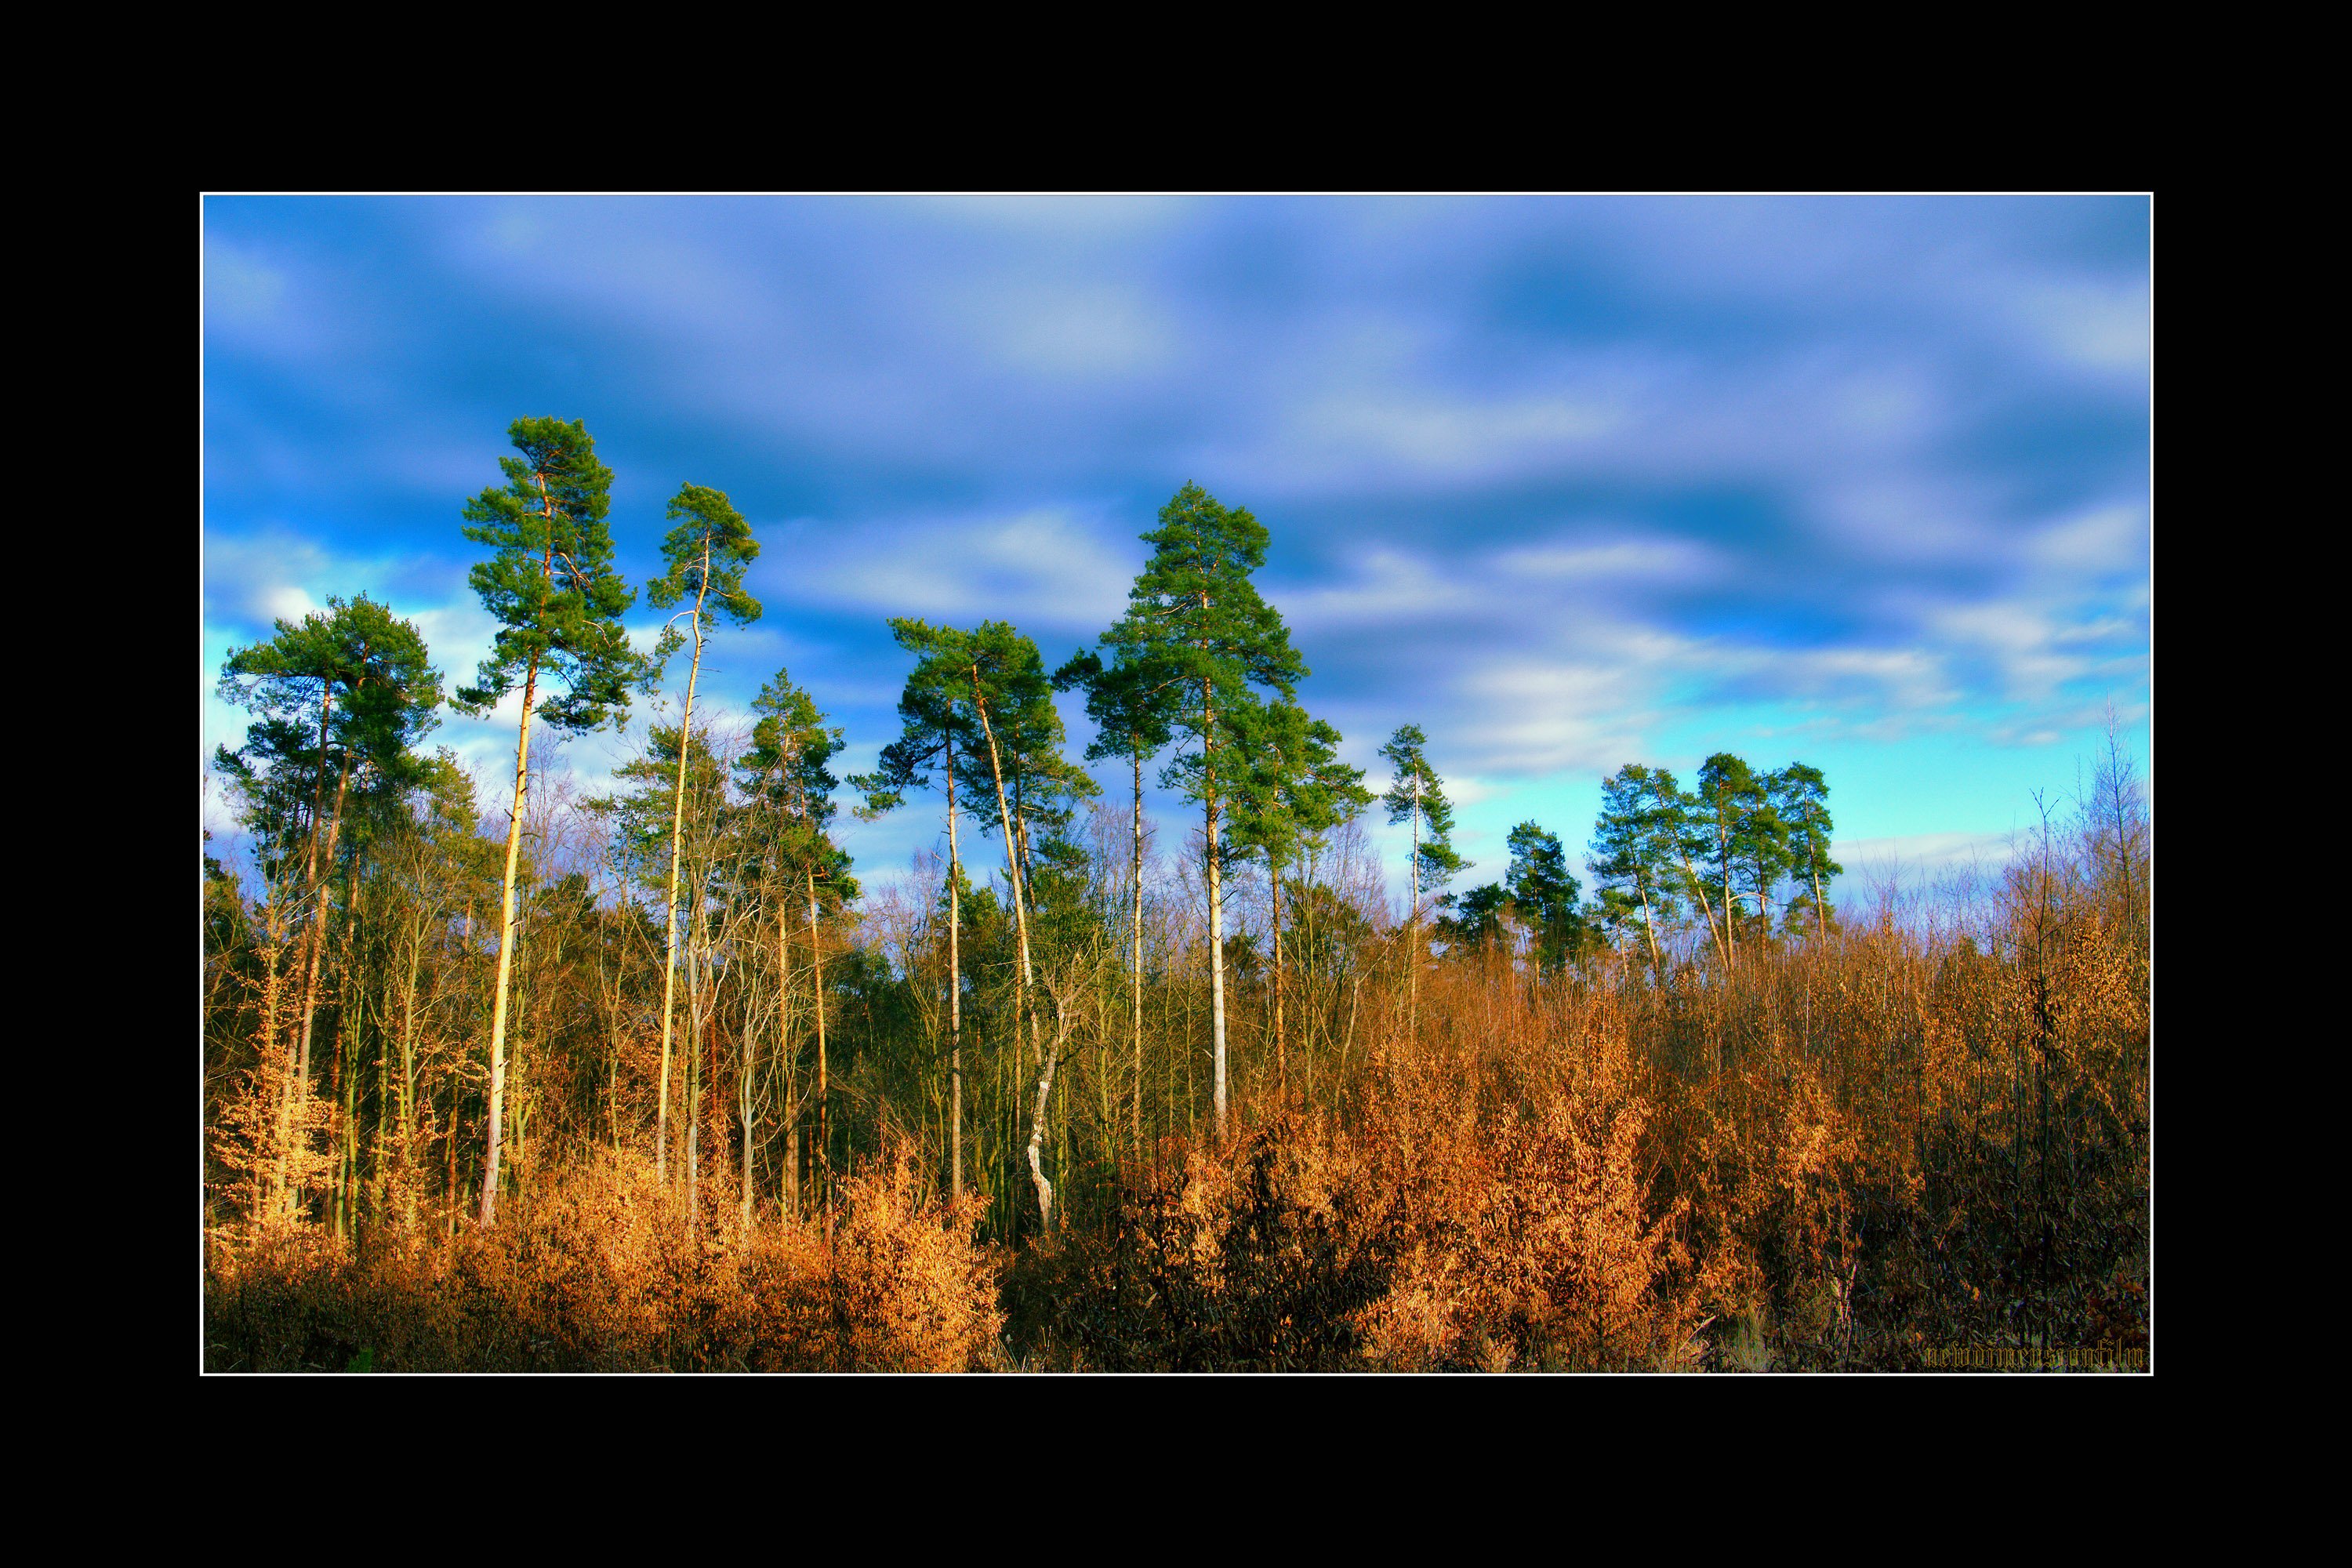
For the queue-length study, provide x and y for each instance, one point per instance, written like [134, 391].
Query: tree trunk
[408, 1175]
[743, 1109]
[296, 1084]
[506, 950]
[1412, 954]
[317, 946]
[693, 1081]
[1216, 903]
[506, 896]
[785, 1055]
[677, 844]
[1037, 1138]
[955, 994]
[1274, 894]
[824, 1087]
[1650, 928]
[1706, 907]
[1011, 866]
[1136, 868]
[1723, 850]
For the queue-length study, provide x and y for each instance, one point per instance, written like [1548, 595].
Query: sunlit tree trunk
[489, 1208]
[677, 845]
[1216, 905]
[823, 1087]
[1413, 971]
[744, 1109]
[408, 1173]
[1706, 907]
[1274, 895]
[1136, 991]
[955, 995]
[1021, 927]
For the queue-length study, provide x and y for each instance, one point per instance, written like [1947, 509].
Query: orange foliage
[597, 1269]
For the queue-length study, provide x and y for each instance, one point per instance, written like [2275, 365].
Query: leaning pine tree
[997, 673]
[1195, 624]
[707, 552]
[558, 603]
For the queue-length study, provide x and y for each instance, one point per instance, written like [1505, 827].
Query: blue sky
[1567, 482]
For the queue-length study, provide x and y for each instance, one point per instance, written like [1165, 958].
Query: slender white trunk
[669, 912]
[1037, 1140]
[506, 896]
[1028, 979]
[507, 951]
[1216, 903]
[1136, 868]
[823, 1087]
[1274, 894]
[1413, 972]
[955, 993]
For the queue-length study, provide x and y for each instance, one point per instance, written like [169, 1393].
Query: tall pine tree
[377, 693]
[1800, 798]
[707, 552]
[1296, 790]
[1417, 795]
[1633, 854]
[1133, 718]
[552, 587]
[1196, 624]
[787, 777]
[933, 731]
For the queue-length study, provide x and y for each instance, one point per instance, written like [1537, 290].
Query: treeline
[673, 1013]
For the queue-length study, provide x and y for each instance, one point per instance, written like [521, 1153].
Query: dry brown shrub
[1256, 1258]
[907, 1291]
[1527, 1236]
[597, 1269]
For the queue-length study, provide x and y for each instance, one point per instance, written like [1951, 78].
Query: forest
[500, 1074]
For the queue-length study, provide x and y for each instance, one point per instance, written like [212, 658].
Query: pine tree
[785, 772]
[1676, 820]
[1418, 795]
[1729, 796]
[376, 666]
[1800, 798]
[558, 603]
[1545, 896]
[708, 551]
[1135, 720]
[1296, 790]
[671, 829]
[1633, 854]
[1477, 915]
[933, 731]
[997, 676]
[1196, 626]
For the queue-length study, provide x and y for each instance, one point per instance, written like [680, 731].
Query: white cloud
[1661, 561]
[239, 288]
[2106, 539]
[1527, 717]
[1485, 438]
[2101, 325]
[1040, 562]
[1073, 330]
[1388, 588]
[1905, 678]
